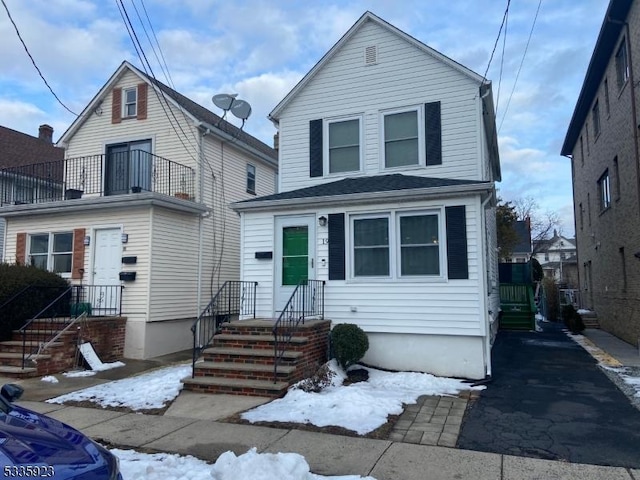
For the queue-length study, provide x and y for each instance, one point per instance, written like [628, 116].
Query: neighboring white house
[148, 176]
[556, 253]
[388, 156]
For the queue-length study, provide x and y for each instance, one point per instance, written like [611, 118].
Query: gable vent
[371, 55]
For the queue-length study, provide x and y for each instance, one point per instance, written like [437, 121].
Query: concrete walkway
[326, 454]
[192, 426]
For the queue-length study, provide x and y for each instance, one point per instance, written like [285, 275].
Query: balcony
[120, 173]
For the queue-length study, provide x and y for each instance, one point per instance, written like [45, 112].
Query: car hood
[27, 438]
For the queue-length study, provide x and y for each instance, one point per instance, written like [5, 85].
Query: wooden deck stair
[241, 360]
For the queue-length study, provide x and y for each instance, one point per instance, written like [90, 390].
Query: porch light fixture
[87, 240]
[124, 238]
[322, 221]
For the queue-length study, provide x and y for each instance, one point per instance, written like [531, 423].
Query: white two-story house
[142, 218]
[388, 157]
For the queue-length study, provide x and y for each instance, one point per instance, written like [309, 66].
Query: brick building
[603, 145]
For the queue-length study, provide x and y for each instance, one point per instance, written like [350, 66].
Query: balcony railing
[96, 175]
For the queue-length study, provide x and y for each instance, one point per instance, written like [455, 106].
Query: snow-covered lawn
[248, 466]
[155, 389]
[361, 407]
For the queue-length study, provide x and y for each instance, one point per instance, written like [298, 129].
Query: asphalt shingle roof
[207, 116]
[17, 149]
[378, 183]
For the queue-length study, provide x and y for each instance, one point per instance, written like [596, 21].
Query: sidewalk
[326, 454]
[626, 354]
[192, 426]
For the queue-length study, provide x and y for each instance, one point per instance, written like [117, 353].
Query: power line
[33, 61]
[495, 45]
[515, 82]
[168, 74]
[504, 45]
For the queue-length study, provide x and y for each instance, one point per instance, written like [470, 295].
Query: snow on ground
[150, 390]
[49, 379]
[79, 373]
[361, 407]
[248, 466]
[628, 377]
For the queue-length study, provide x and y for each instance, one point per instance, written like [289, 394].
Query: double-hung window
[371, 247]
[402, 143]
[52, 251]
[251, 179]
[419, 244]
[396, 245]
[343, 145]
[130, 102]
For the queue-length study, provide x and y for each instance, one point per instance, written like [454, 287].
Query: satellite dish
[224, 100]
[241, 109]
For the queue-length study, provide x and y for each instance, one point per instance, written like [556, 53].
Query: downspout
[200, 218]
[488, 333]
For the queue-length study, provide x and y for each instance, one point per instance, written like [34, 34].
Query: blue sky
[260, 50]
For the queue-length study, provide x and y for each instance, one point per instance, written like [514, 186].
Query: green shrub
[572, 319]
[349, 344]
[14, 279]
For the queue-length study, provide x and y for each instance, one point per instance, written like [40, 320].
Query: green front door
[295, 254]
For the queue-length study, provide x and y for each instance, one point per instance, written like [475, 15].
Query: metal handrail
[234, 298]
[106, 300]
[16, 295]
[307, 300]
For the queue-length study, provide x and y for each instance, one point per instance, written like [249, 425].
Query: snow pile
[79, 373]
[361, 407]
[249, 466]
[151, 390]
[627, 376]
[49, 379]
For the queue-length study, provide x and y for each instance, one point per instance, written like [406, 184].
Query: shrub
[572, 319]
[14, 279]
[349, 344]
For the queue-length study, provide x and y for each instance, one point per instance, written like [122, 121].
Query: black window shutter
[336, 246]
[315, 148]
[433, 133]
[457, 261]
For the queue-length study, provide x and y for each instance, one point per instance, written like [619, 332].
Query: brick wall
[608, 238]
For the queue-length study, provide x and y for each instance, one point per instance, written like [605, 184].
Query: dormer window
[130, 102]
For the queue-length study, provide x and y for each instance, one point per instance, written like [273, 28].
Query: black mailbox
[129, 260]
[264, 255]
[127, 276]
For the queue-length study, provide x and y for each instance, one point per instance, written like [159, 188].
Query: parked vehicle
[33, 445]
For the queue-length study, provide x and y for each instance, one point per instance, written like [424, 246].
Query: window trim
[325, 145]
[50, 253]
[251, 174]
[419, 109]
[125, 104]
[395, 246]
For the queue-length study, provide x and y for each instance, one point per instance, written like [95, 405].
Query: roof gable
[368, 17]
[195, 112]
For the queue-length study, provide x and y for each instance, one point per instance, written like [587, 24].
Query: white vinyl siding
[414, 305]
[403, 76]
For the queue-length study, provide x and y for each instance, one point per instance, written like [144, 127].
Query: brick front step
[261, 356]
[231, 340]
[15, 346]
[15, 359]
[246, 371]
[260, 388]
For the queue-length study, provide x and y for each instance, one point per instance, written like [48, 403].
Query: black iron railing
[234, 299]
[119, 173]
[77, 300]
[306, 301]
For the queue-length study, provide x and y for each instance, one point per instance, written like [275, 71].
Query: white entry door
[107, 261]
[295, 256]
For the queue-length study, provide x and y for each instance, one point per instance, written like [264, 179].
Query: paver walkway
[549, 399]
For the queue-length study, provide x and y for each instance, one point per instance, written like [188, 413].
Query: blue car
[33, 445]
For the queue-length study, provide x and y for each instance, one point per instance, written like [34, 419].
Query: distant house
[148, 176]
[18, 149]
[557, 256]
[388, 156]
[603, 143]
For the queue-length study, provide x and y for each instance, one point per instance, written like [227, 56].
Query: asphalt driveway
[549, 399]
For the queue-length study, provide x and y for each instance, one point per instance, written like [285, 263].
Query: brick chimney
[45, 132]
